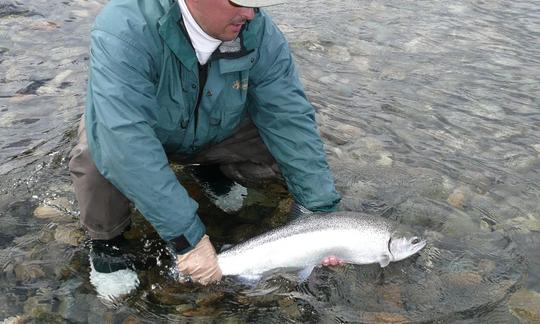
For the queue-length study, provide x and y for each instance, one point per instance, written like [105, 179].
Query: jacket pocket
[228, 121]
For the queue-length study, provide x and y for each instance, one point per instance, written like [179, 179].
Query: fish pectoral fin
[384, 261]
[304, 273]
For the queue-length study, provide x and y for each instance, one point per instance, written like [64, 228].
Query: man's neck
[203, 43]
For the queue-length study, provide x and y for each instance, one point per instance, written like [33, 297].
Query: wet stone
[61, 203]
[74, 308]
[47, 212]
[132, 319]
[19, 319]
[289, 307]
[232, 320]
[522, 162]
[391, 295]
[361, 63]
[44, 25]
[35, 306]
[28, 272]
[69, 235]
[200, 311]
[524, 224]
[486, 266]
[458, 197]
[46, 235]
[184, 308]
[524, 304]
[385, 159]
[462, 279]
[339, 54]
[383, 317]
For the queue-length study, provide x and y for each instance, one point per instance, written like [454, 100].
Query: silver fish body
[352, 237]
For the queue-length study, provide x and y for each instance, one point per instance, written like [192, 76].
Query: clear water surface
[430, 115]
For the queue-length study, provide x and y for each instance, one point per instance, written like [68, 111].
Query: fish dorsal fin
[384, 260]
[297, 212]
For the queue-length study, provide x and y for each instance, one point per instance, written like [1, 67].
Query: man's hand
[201, 263]
[332, 261]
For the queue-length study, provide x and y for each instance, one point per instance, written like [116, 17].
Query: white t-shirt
[204, 44]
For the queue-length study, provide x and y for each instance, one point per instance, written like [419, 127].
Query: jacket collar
[169, 29]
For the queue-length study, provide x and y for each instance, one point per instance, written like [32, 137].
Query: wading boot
[112, 268]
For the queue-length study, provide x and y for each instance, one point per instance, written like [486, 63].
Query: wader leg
[104, 209]
[242, 157]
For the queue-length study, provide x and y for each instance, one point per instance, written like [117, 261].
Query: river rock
[47, 212]
[281, 213]
[28, 272]
[132, 319]
[521, 162]
[44, 25]
[75, 308]
[339, 53]
[19, 319]
[525, 305]
[523, 224]
[361, 63]
[461, 279]
[385, 159]
[391, 295]
[383, 317]
[35, 306]
[458, 197]
[289, 307]
[69, 235]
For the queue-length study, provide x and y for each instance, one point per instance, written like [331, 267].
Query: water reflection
[429, 111]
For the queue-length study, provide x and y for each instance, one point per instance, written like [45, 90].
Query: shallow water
[429, 111]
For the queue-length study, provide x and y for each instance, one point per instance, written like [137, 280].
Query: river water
[430, 112]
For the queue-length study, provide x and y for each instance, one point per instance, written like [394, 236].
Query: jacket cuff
[186, 241]
[334, 206]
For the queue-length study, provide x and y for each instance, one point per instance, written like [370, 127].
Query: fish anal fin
[225, 247]
[304, 273]
[384, 261]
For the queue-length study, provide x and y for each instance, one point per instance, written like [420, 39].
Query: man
[198, 81]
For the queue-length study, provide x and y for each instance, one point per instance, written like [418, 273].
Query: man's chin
[229, 37]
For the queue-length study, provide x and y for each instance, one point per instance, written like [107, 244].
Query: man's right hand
[201, 263]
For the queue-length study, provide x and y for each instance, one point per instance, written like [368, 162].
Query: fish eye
[415, 240]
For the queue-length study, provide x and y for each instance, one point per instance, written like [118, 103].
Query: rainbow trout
[302, 244]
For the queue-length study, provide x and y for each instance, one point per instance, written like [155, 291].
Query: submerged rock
[19, 319]
[47, 212]
[69, 235]
[383, 317]
[28, 272]
[458, 197]
[525, 305]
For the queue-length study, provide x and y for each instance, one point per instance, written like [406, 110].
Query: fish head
[402, 247]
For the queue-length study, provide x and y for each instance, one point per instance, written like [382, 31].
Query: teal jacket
[142, 94]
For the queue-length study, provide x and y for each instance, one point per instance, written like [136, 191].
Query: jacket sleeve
[286, 122]
[121, 110]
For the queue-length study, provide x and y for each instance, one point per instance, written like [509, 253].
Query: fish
[302, 244]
